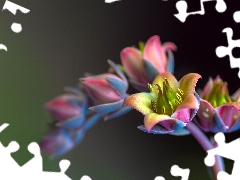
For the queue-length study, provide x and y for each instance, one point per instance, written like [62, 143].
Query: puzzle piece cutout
[182, 9]
[222, 51]
[236, 16]
[226, 150]
[12, 7]
[33, 169]
[177, 172]
[15, 27]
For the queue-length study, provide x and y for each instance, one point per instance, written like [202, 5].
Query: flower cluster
[168, 105]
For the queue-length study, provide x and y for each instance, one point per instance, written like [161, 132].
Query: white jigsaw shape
[177, 171]
[222, 51]
[236, 16]
[12, 7]
[182, 9]
[33, 169]
[227, 150]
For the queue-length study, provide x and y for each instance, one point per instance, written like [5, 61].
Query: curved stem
[206, 145]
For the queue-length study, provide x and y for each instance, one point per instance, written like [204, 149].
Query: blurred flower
[59, 140]
[68, 109]
[72, 120]
[169, 106]
[218, 111]
[143, 66]
[108, 92]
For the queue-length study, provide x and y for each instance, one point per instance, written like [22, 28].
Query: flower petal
[171, 80]
[151, 70]
[230, 114]
[100, 90]
[170, 62]
[131, 59]
[154, 52]
[118, 85]
[169, 46]
[107, 108]
[123, 110]
[57, 142]
[236, 96]
[217, 124]
[157, 129]
[67, 106]
[187, 109]
[165, 121]
[205, 116]
[118, 71]
[72, 123]
[141, 102]
[180, 132]
[207, 88]
[188, 82]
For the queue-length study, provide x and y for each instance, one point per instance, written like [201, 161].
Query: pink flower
[68, 109]
[218, 111]
[143, 67]
[169, 106]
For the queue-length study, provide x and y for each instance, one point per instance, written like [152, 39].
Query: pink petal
[236, 96]
[154, 52]
[184, 115]
[169, 46]
[141, 102]
[188, 82]
[152, 119]
[230, 113]
[207, 88]
[205, 115]
[184, 110]
[131, 59]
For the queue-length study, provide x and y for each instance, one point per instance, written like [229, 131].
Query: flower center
[218, 95]
[167, 99]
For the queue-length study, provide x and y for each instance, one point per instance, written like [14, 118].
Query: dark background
[62, 39]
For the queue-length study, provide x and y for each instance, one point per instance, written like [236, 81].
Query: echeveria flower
[108, 91]
[57, 142]
[68, 109]
[60, 140]
[169, 106]
[72, 120]
[143, 66]
[218, 111]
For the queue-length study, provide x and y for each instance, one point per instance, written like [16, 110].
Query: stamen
[179, 97]
[180, 91]
[167, 99]
[154, 106]
[150, 87]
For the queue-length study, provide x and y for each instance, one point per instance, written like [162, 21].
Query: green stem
[206, 145]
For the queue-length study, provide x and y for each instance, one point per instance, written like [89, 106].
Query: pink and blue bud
[72, 120]
[108, 92]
